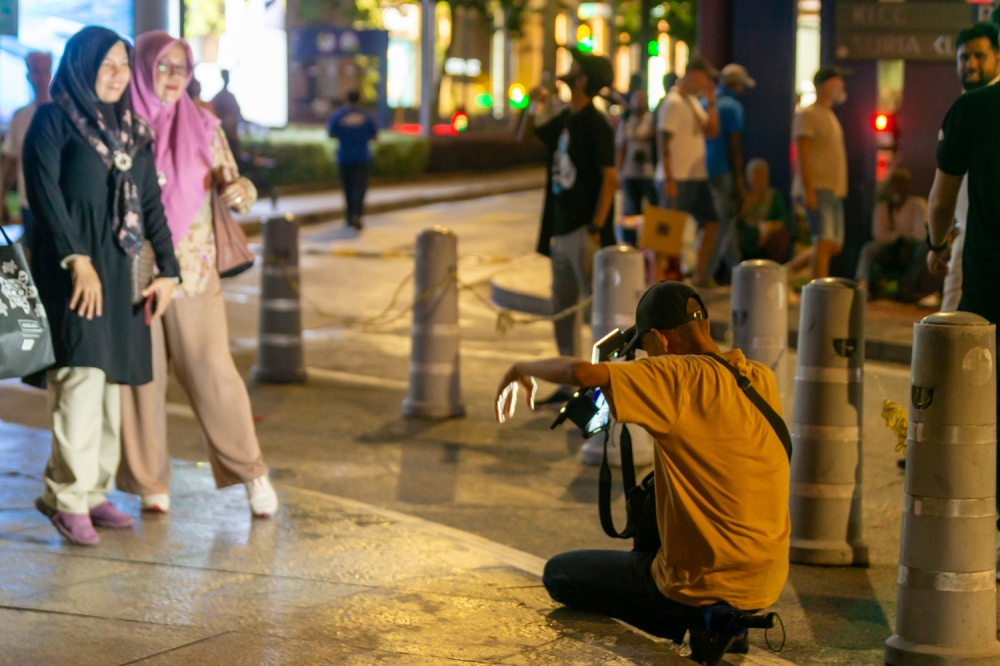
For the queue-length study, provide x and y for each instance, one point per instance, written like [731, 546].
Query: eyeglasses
[171, 69]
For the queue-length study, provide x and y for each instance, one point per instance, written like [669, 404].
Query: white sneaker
[156, 503]
[263, 499]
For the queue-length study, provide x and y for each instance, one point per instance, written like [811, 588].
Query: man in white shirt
[39, 74]
[682, 169]
[978, 60]
[899, 224]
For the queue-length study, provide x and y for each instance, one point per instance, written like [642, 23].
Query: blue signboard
[307, 45]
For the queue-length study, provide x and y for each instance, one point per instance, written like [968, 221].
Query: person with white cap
[725, 165]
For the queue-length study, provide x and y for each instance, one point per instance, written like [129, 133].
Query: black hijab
[113, 130]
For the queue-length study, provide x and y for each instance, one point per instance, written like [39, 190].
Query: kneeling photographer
[721, 478]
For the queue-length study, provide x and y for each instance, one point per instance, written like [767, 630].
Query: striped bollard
[435, 389]
[619, 283]
[825, 494]
[759, 316]
[946, 610]
[279, 355]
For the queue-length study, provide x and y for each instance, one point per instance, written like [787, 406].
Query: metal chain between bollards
[506, 320]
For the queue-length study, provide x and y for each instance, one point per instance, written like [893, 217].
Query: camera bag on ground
[640, 500]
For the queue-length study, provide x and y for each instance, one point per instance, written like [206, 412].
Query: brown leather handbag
[232, 255]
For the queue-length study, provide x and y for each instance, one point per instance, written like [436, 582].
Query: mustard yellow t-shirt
[722, 477]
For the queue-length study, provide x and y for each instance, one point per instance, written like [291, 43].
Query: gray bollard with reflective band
[435, 390]
[946, 610]
[759, 315]
[825, 494]
[619, 283]
[279, 355]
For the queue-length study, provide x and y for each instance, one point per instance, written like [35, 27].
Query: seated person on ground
[898, 251]
[721, 475]
[763, 225]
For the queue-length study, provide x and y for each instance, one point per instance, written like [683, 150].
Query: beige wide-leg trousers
[86, 419]
[192, 336]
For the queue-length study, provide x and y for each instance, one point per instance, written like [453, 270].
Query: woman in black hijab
[92, 184]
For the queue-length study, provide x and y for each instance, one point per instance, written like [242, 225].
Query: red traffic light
[884, 122]
[460, 121]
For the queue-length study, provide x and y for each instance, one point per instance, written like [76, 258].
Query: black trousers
[354, 180]
[618, 584]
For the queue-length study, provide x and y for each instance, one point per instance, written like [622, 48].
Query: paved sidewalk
[330, 581]
[324, 206]
[525, 285]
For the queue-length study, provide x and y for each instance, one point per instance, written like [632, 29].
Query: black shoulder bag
[640, 500]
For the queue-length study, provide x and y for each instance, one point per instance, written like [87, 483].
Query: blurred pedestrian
[978, 66]
[575, 221]
[92, 185]
[192, 158]
[194, 92]
[227, 109]
[725, 167]
[682, 171]
[969, 143]
[636, 146]
[899, 224]
[821, 176]
[763, 227]
[353, 128]
[39, 74]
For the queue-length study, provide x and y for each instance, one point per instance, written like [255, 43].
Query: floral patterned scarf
[113, 130]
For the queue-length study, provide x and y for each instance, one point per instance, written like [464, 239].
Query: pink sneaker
[106, 515]
[75, 527]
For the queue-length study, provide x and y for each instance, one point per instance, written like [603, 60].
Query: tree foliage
[204, 17]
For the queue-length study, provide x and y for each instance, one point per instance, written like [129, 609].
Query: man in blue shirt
[725, 165]
[353, 128]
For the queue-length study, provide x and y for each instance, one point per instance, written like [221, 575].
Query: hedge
[303, 157]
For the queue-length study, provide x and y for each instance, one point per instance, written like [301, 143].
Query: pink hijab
[183, 143]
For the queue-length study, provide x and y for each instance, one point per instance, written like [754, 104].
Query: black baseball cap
[824, 74]
[597, 69]
[664, 306]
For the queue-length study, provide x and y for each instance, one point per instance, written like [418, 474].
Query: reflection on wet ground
[330, 581]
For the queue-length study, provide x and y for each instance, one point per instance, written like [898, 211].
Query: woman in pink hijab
[192, 157]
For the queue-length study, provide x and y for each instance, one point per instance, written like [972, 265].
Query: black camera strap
[628, 467]
[777, 423]
[604, 485]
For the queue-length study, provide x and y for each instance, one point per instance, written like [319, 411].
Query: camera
[588, 409]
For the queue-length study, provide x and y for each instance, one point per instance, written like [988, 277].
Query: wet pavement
[494, 501]
[330, 581]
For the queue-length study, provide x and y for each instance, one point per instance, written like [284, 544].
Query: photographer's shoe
[739, 645]
[263, 499]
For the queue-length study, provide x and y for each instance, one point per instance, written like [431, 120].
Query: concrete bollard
[759, 316]
[946, 610]
[435, 389]
[279, 355]
[825, 494]
[619, 283]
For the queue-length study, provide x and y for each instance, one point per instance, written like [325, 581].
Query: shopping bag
[25, 335]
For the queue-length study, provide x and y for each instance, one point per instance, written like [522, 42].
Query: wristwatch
[935, 248]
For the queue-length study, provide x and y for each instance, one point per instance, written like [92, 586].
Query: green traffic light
[653, 48]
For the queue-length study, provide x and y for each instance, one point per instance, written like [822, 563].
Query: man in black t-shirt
[969, 143]
[581, 189]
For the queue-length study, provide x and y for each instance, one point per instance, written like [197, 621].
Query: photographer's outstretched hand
[506, 400]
